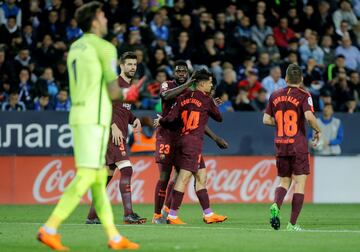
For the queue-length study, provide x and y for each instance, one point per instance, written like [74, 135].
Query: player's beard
[180, 82]
[129, 75]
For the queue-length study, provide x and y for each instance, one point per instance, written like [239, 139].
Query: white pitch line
[191, 227]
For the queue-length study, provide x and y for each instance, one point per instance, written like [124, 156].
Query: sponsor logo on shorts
[123, 153]
[162, 156]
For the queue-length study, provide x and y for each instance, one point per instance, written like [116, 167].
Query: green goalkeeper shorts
[90, 144]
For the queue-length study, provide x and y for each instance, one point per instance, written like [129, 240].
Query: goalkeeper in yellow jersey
[92, 65]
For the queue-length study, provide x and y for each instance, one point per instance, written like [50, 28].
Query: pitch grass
[329, 228]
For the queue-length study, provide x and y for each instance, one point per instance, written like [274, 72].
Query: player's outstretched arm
[268, 120]
[218, 140]
[116, 93]
[175, 92]
[311, 119]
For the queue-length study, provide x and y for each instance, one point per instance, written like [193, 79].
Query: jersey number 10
[286, 123]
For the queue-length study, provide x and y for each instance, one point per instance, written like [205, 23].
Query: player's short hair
[294, 74]
[180, 63]
[204, 75]
[127, 55]
[85, 14]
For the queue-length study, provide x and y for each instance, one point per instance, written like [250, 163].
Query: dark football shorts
[115, 154]
[293, 165]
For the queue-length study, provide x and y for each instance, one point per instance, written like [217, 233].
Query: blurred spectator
[13, 104]
[325, 98]
[294, 19]
[282, 34]
[118, 12]
[73, 31]
[158, 28]
[344, 13]
[182, 49]
[332, 133]
[273, 82]
[264, 65]
[351, 53]
[342, 92]
[250, 84]
[28, 37]
[228, 84]
[8, 9]
[345, 31]
[260, 102]
[61, 74]
[5, 90]
[53, 27]
[42, 103]
[46, 55]
[308, 19]
[22, 59]
[187, 26]
[355, 87]
[333, 69]
[10, 34]
[26, 89]
[242, 102]
[327, 48]
[142, 10]
[311, 72]
[260, 30]
[311, 49]
[206, 27]
[47, 85]
[160, 62]
[6, 70]
[243, 30]
[243, 70]
[62, 102]
[271, 48]
[226, 105]
[142, 67]
[323, 16]
[292, 58]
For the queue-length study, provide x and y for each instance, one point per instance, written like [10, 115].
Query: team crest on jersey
[164, 85]
[310, 101]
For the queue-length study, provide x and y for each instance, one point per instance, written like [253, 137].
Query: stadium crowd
[247, 44]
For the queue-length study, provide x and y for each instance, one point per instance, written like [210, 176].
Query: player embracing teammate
[287, 110]
[179, 142]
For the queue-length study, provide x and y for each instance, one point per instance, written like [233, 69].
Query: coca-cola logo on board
[52, 180]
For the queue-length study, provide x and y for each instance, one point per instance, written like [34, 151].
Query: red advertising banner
[42, 180]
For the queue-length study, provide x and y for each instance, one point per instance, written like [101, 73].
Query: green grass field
[328, 228]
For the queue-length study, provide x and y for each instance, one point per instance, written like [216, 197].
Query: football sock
[169, 191]
[92, 212]
[160, 193]
[177, 198]
[203, 197]
[280, 194]
[297, 203]
[125, 189]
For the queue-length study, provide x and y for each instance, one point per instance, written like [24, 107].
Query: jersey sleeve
[164, 87]
[269, 108]
[173, 114]
[132, 117]
[307, 104]
[214, 111]
[109, 63]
